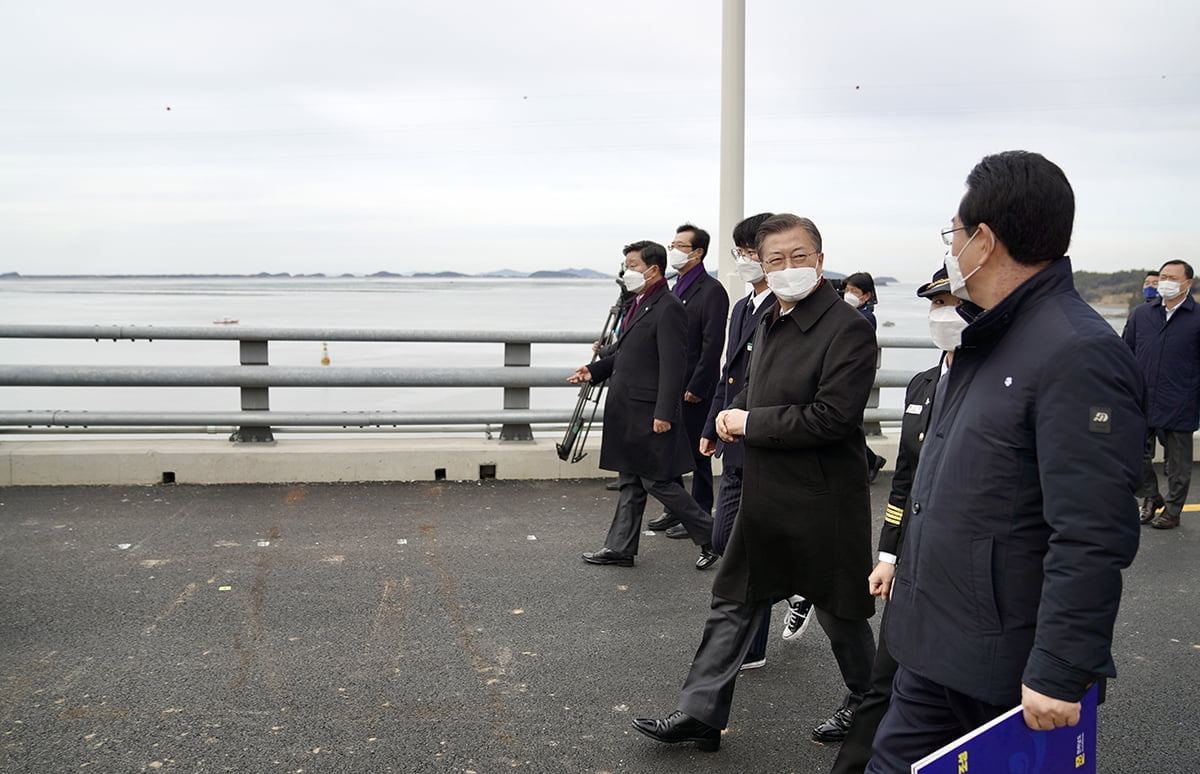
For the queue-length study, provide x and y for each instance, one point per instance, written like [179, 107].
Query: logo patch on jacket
[1101, 419]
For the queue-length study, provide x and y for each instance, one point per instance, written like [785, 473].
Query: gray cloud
[364, 136]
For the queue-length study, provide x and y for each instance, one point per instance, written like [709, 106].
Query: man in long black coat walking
[644, 440]
[805, 525]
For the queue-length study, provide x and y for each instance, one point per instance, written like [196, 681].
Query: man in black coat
[747, 313]
[707, 306]
[1023, 513]
[805, 524]
[1165, 338]
[644, 441]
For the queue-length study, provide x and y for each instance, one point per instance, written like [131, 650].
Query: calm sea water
[401, 303]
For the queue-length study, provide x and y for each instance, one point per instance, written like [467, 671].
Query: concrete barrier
[292, 460]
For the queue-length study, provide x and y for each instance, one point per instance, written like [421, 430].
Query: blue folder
[1007, 746]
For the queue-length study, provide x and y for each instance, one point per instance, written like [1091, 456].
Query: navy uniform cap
[940, 283]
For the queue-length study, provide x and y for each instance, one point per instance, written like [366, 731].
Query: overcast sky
[262, 135]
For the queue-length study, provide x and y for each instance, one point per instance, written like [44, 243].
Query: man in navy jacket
[1023, 511]
[1165, 338]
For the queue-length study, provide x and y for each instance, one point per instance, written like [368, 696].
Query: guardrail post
[254, 398]
[516, 353]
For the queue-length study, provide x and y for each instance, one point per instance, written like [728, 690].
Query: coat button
[916, 508]
[920, 437]
[731, 380]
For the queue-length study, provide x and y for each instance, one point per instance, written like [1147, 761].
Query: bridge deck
[440, 627]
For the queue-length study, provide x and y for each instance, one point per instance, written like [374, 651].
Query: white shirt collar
[757, 299]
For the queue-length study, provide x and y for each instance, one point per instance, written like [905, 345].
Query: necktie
[629, 315]
[747, 318]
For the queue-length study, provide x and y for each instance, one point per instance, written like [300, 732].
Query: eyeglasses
[948, 234]
[799, 260]
[679, 246]
[744, 255]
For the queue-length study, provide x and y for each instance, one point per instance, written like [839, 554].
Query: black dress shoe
[678, 727]
[606, 556]
[1165, 520]
[707, 557]
[1149, 506]
[665, 521]
[677, 532]
[834, 728]
[613, 486]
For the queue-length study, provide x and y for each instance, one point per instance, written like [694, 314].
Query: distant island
[501, 274]
[1111, 290]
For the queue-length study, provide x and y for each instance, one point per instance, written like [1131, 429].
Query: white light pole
[733, 137]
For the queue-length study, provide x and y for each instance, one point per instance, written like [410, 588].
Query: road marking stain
[393, 603]
[187, 592]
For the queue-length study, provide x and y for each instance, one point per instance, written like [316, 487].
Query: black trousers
[856, 749]
[1177, 453]
[923, 717]
[729, 500]
[708, 690]
[694, 417]
[626, 525]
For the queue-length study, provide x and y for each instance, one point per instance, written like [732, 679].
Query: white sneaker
[753, 664]
[798, 618]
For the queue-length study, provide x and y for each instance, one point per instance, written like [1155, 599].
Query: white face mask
[1169, 289]
[852, 300]
[946, 327]
[749, 271]
[958, 283]
[676, 258]
[633, 281]
[791, 285]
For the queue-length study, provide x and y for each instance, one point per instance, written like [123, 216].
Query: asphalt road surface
[437, 627]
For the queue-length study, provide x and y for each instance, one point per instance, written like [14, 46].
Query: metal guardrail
[268, 333]
[255, 376]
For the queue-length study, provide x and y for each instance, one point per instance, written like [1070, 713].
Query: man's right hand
[582, 374]
[595, 347]
[708, 447]
[879, 582]
[661, 426]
